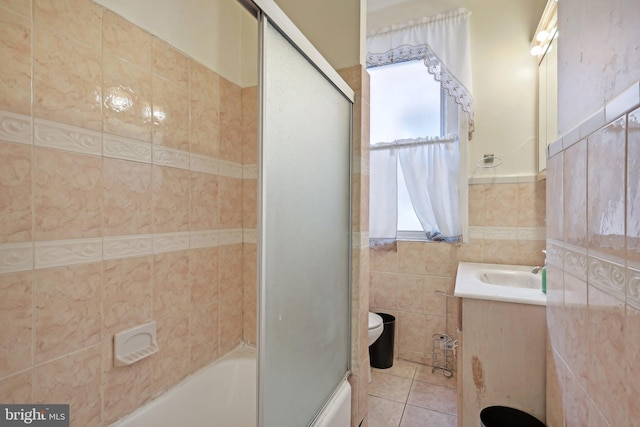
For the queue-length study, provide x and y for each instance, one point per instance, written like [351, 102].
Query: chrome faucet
[536, 270]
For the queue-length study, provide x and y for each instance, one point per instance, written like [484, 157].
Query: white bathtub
[223, 394]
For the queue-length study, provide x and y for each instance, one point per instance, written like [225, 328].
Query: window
[409, 108]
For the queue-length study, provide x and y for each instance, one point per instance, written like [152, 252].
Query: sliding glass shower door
[304, 234]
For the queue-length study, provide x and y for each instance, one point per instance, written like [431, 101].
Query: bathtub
[223, 394]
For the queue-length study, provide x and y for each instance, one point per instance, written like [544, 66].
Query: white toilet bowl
[375, 327]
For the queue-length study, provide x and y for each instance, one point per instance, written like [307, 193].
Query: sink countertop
[469, 285]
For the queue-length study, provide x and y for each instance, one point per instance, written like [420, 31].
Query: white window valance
[441, 41]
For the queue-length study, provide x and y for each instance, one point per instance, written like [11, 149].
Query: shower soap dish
[135, 344]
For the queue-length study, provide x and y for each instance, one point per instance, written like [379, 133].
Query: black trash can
[381, 351]
[502, 416]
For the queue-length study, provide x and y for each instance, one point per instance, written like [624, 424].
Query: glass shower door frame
[268, 13]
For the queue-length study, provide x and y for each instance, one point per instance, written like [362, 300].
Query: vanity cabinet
[503, 360]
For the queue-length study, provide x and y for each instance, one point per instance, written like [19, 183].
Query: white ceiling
[374, 5]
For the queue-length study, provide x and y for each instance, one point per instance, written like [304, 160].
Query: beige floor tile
[421, 417]
[401, 368]
[389, 386]
[435, 397]
[423, 373]
[384, 412]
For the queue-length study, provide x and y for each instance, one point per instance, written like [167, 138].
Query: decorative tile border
[166, 156]
[230, 169]
[169, 242]
[204, 239]
[633, 284]
[231, 237]
[360, 240]
[500, 233]
[119, 147]
[250, 172]
[504, 179]
[250, 235]
[65, 137]
[575, 261]
[507, 233]
[16, 257]
[15, 128]
[476, 232]
[199, 163]
[531, 233]
[127, 246]
[555, 253]
[607, 274]
[67, 252]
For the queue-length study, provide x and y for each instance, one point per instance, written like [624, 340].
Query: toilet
[375, 327]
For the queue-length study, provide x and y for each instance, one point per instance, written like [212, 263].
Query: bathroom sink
[516, 279]
[499, 282]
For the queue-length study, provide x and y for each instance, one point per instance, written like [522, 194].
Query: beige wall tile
[606, 380]
[383, 290]
[17, 388]
[67, 195]
[412, 257]
[204, 201]
[16, 316]
[126, 197]
[171, 290]
[127, 294]
[633, 187]
[230, 121]
[204, 266]
[531, 204]
[555, 386]
[125, 388]
[606, 182]
[15, 69]
[62, 381]
[170, 114]
[205, 127]
[67, 80]
[632, 363]
[384, 261]
[170, 199]
[169, 63]
[575, 194]
[123, 39]
[476, 204]
[250, 125]
[250, 290]
[555, 197]
[20, 7]
[500, 251]
[171, 364]
[204, 335]
[249, 203]
[231, 327]
[230, 270]
[68, 310]
[230, 202]
[15, 186]
[529, 252]
[501, 205]
[126, 95]
[86, 17]
[576, 326]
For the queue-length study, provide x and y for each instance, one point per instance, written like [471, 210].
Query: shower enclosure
[304, 232]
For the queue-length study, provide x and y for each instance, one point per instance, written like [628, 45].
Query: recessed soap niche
[135, 344]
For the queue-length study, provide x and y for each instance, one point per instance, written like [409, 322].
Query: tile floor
[409, 395]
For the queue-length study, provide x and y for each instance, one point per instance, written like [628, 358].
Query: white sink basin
[499, 282]
[512, 278]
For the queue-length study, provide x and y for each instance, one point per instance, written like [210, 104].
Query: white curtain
[441, 41]
[431, 173]
[383, 215]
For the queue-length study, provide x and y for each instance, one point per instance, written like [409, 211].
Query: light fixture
[543, 35]
[546, 31]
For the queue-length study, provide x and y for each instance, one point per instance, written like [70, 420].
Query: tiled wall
[593, 311]
[121, 200]
[358, 79]
[506, 227]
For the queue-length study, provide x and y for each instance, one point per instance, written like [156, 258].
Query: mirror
[545, 46]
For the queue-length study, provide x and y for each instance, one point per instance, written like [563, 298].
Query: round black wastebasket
[502, 416]
[381, 351]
